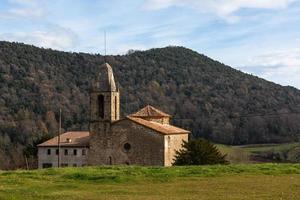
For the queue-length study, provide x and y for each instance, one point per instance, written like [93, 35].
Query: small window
[66, 152]
[47, 165]
[49, 151]
[64, 165]
[56, 151]
[83, 152]
[75, 152]
[127, 146]
[74, 165]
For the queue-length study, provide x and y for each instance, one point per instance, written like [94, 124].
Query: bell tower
[104, 110]
[104, 97]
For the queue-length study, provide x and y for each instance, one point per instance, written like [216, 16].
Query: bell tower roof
[105, 81]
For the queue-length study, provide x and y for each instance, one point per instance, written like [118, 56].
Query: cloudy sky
[261, 37]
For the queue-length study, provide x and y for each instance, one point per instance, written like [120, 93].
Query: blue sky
[261, 37]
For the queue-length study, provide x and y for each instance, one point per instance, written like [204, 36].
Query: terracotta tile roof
[165, 129]
[149, 111]
[72, 138]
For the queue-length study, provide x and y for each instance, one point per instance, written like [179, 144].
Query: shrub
[199, 152]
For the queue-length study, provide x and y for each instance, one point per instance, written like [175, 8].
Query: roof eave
[63, 145]
[162, 133]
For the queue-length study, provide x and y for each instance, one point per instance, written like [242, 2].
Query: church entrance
[109, 160]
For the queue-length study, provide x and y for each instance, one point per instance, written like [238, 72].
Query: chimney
[69, 140]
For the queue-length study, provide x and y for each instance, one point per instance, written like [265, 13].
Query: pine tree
[199, 152]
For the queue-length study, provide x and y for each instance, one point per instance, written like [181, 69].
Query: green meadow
[258, 153]
[234, 181]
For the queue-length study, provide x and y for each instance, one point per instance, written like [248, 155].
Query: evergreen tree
[199, 152]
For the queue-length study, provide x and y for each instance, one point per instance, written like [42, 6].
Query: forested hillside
[209, 98]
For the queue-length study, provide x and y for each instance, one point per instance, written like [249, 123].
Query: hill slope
[203, 95]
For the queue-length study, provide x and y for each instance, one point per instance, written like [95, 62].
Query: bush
[199, 152]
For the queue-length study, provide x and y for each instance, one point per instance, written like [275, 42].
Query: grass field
[252, 181]
[289, 152]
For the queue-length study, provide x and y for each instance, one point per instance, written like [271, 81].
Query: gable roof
[165, 129]
[149, 111]
[77, 139]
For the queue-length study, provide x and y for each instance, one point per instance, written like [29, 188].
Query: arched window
[116, 107]
[109, 160]
[101, 106]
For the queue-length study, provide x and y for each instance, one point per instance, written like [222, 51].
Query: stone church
[142, 138]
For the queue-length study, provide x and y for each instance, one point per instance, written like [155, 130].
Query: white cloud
[56, 38]
[281, 66]
[23, 9]
[25, 12]
[289, 58]
[159, 4]
[23, 1]
[221, 8]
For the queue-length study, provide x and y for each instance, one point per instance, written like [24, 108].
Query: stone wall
[172, 144]
[99, 142]
[146, 147]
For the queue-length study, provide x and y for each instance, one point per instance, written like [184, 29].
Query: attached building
[73, 150]
[142, 138]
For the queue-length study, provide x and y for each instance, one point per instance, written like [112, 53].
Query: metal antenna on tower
[105, 46]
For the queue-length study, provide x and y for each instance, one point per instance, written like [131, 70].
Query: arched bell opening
[101, 106]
